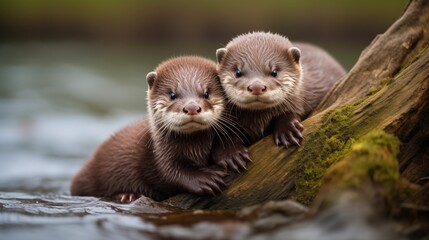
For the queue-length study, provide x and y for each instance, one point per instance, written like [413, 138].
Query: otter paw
[234, 158]
[207, 182]
[125, 197]
[288, 133]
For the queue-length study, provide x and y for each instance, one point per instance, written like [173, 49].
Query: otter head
[184, 95]
[259, 70]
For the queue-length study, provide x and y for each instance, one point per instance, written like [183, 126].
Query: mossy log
[372, 129]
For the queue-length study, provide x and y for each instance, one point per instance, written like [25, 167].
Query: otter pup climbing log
[381, 109]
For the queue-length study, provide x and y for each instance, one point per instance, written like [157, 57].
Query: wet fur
[159, 156]
[304, 77]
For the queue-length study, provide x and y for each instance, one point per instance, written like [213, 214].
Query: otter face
[259, 73]
[184, 95]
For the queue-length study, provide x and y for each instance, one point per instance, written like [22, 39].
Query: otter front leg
[231, 154]
[200, 181]
[287, 130]
[204, 181]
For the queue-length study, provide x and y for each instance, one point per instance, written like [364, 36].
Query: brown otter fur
[271, 84]
[168, 152]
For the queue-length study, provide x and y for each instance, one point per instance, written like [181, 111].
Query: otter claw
[234, 157]
[245, 156]
[220, 182]
[214, 187]
[298, 125]
[300, 137]
[209, 191]
[287, 131]
[240, 163]
[233, 166]
[126, 197]
[293, 140]
[206, 182]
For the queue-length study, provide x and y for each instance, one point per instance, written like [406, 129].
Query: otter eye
[206, 95]
[274, 73]
[237, 73]
[172, 95]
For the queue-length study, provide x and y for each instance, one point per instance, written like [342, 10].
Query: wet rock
[206, 230]
[350, 217]
[273, 214]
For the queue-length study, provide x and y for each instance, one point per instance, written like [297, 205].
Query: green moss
[332, 141]
[322, 148]
[373, 156]
[371, 161]
[328, 144]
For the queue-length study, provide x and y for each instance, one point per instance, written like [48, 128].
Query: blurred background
[73, 72]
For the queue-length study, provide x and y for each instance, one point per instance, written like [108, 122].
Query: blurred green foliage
[337, 25]
[267, 8]
[193, 16]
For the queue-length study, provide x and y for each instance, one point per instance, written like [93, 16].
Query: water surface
[57, 103]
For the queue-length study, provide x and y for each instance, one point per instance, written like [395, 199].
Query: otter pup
[270, 85]
[168, 152]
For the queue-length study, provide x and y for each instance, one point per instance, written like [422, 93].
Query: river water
[58, 101]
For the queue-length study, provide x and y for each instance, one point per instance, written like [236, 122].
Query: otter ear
[220, 54]
[150, 78]
[295, 53]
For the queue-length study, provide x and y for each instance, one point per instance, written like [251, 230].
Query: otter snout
[256, 88]
[192, 109]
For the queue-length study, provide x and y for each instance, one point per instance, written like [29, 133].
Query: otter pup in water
[168, 152]
[270, 85]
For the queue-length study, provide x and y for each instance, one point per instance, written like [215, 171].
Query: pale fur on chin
[183, 123]
[270, 99]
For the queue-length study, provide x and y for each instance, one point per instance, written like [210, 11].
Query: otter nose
[192, 109]
[256, 88]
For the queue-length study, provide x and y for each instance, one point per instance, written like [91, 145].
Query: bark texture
[369, 134]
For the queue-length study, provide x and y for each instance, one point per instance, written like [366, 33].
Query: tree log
[372, 129]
